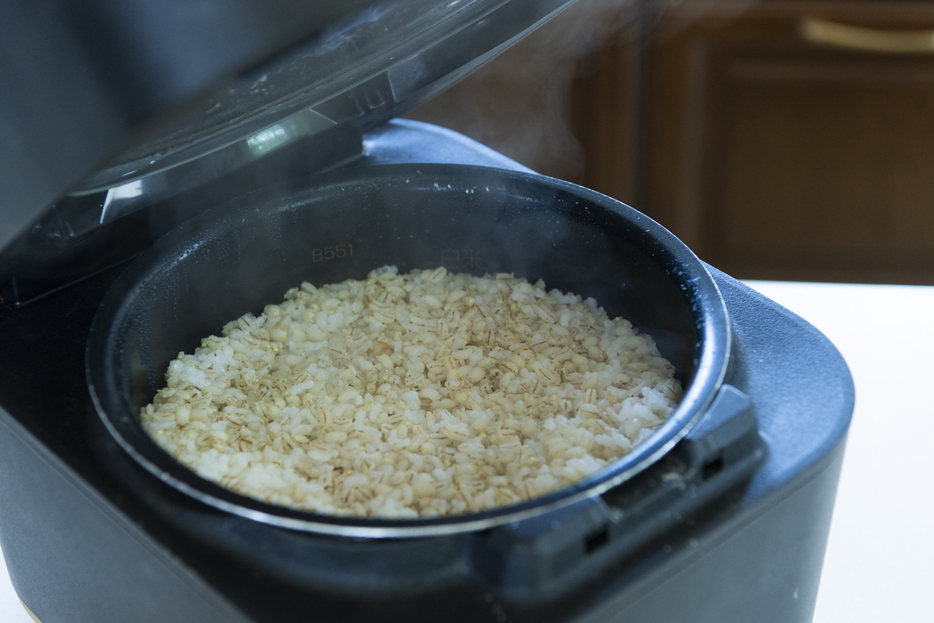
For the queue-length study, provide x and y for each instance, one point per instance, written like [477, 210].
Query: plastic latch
[537, 552]
[551, 553]
[727, 432]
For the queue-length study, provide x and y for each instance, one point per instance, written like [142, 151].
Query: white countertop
[878, 562]
[881, 545]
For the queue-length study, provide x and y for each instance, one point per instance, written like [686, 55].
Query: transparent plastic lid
[370, 66]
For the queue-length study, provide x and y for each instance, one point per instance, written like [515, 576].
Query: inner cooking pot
[241, 256]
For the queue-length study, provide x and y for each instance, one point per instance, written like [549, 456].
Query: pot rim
[700, 289]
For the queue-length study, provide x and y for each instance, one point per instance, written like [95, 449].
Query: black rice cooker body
[730, 524]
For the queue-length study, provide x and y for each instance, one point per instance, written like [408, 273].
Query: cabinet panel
[819, 161]
[777, 158]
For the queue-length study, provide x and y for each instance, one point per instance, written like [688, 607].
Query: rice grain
[414, 395]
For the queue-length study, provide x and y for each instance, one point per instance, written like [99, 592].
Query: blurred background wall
[780, 139]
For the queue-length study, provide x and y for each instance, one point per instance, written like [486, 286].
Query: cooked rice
[413, 395]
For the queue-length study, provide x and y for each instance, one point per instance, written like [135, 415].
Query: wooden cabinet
[779, 139]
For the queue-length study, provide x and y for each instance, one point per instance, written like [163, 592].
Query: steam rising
[519, 104]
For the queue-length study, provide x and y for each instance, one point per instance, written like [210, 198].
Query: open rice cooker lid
[370, 65]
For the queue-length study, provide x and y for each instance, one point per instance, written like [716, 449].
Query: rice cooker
[171, 166]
